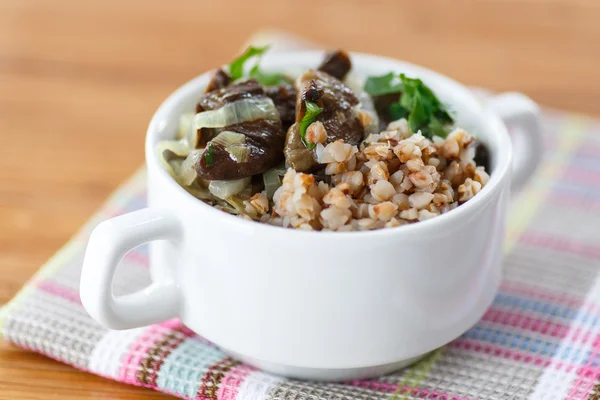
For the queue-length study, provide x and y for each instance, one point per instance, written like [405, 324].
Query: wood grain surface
[79, 81]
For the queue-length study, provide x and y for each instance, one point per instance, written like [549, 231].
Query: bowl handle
[519, 111]
[109, 242]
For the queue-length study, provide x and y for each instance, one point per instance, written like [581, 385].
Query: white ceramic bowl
[316, 305]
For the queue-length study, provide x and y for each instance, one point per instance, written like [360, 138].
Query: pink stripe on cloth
[578, 174]
[173, 324]
[525, 322]
[509, 354]
[547, 295]
[560, 244]
[596, 343]
[375, 385]
[131, 362]
[583, 384]
[231, 382]
[588, 375]
[60, 291]
[580, 335]
[581, 390]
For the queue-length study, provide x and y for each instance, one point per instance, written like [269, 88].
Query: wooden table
[79, 81]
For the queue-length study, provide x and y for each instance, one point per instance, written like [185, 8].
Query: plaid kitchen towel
[539, 340]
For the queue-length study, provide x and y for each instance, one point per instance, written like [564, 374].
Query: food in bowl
[324, 150]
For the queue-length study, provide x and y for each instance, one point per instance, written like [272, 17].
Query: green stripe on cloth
[416, 375]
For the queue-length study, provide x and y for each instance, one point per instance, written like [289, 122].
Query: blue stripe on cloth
[552, 309]
[510, 338]
[182, 370]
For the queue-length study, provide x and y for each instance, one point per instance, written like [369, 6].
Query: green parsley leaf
[418, 114]
[266, 78]
[384, 84]
[444, 114]
[209, 154]
[312, 112]
[396, 111]
[236, 68]
[416, 91]
[417, 103]
[435, 128]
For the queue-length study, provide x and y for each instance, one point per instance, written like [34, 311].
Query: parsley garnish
[427, 113]
[209, 154]
[397, 111]
[417, 103]
[236, 68]
[267, 78]
[312, 112]
[385, 84]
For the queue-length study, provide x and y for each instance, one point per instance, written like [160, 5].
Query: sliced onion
[225, 206]
[246, 193]
[227, 138]
[186, 121]
[239, 152]
[187, 171]
[193, 137]
[281, 169]
[237, 112]
[237, 204]
[198, 191]
[171, 153]
[187, 132]
[225, 189]
[177, 147]
[272, 180]
[235, 144]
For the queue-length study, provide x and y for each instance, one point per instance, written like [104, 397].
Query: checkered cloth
[539, 340]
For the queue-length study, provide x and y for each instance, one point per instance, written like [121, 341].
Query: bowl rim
[489, 192]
